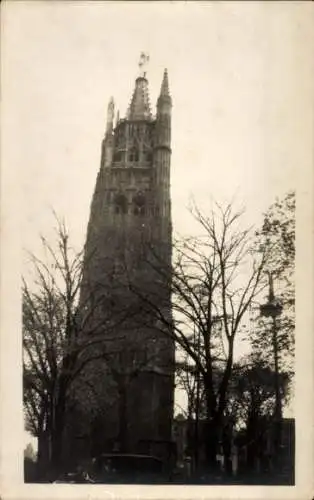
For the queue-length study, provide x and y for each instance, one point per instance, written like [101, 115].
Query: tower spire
[164, 99]
[139, 108]
[163, 123]
[164, 91]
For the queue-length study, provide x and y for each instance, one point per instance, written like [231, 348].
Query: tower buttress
[162, 154]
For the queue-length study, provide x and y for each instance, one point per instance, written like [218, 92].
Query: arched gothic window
[133, 155]
[120, 204]
[148, 156]
[117, 156]
[139, 203]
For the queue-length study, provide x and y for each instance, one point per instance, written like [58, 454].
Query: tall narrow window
[120, 204]
[139, 204]
[148, 156]
[117, 156]
[133, 155]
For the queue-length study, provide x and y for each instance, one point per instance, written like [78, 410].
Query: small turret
[107, 143]
[164, 91]
[163, 123]
[162, 157]
[110, 117]
[117, 118]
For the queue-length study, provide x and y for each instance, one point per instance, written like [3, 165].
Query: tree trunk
[212, 442]
[123, 423]
[251, 444]
[215, 413]
[43, 458]
[56, 443]
[227, 453]
[58, 428]
[211, 429]
[212, 433]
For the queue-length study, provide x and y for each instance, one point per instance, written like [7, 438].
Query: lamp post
[201, 291]
[273, 309]
[197, 405]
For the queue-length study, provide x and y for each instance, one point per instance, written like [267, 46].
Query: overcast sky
[234, 72]
[239, 78]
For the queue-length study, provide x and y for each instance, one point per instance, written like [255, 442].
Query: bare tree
[58, 341]
[65, 333]
[50, 340]
[214, 279]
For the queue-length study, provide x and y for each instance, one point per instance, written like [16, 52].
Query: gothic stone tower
[130, 223]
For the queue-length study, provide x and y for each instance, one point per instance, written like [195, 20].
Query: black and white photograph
[157, 178]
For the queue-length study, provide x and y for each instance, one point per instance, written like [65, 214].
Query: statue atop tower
[143, 63]
[139, 108]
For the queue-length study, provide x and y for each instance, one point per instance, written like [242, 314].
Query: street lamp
[197, 404]
[273, 309]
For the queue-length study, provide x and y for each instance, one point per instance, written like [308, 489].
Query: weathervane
[143, 62]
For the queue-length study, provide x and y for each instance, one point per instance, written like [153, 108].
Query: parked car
[80, 476]
[129, 469]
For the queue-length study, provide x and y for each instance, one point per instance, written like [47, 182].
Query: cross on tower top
[143, 62]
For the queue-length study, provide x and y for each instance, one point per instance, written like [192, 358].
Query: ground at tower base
[117, 468]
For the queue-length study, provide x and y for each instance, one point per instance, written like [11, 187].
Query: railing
[129, 164]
